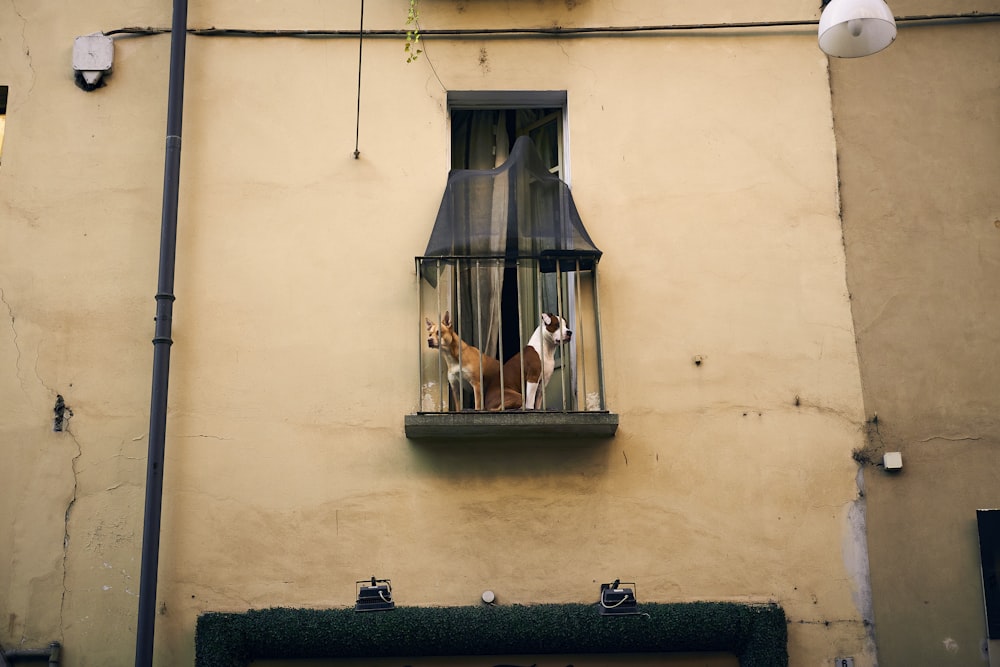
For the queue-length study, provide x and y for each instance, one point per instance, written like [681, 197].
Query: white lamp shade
[855, 28]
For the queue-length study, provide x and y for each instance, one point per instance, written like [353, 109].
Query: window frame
[482, 100]
[988, 524]
[578, 422]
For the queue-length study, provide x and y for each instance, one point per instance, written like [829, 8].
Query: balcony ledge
[510, 424]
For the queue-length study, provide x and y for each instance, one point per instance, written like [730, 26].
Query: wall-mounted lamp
[855, 28]
[93, 56]
[375, 595]
[617, 600]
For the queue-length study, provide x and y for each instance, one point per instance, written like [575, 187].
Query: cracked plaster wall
[287, 477]
[918, 128]
[78, 218]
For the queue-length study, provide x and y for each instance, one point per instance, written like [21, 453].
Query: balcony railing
[507, 344]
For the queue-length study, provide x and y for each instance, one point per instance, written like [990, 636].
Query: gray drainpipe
[161, 343]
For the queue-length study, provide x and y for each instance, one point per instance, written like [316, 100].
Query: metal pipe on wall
[162, 342]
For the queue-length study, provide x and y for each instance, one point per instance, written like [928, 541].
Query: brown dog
[538, 360]
[467, 364]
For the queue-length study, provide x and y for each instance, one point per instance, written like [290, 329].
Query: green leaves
[412, 47]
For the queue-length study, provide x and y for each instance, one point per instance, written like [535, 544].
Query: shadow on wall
[493, 459]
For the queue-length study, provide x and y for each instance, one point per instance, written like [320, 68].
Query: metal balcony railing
[509, 334]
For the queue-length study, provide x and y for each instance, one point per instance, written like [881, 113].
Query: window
[989, 548]
[509, 275]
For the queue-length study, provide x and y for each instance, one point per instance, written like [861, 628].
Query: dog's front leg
[456, 395]
[530, 389]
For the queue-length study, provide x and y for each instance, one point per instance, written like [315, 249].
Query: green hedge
[757, 634]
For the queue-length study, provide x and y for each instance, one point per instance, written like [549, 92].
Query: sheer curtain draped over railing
[508, 250]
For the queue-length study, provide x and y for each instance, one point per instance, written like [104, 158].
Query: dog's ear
[430, 325]
[546, 319]
[446, 319]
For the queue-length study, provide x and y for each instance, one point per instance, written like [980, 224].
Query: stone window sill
[511, 424]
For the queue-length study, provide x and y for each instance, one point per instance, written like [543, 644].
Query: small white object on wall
[93, 56]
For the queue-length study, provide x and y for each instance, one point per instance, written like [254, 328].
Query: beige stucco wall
[80, 182]
[704, 166]
[918, 128]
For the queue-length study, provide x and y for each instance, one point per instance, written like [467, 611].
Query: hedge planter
[756, 634]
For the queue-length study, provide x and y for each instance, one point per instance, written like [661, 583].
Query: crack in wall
[17, 345]
[847, 621]
[66, 534]
[19, 371]
[221, 593]
[120, 456]
[61, 415]
[24, 43]
[954, 438]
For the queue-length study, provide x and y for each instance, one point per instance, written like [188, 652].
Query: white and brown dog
[538, 360]
[466, 363]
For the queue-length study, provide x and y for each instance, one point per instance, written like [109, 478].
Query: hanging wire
[430, 63]
[361, 41]
[598, 31]
[558, 31]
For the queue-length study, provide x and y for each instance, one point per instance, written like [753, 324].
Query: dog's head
[439, 331]
[555, 328]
